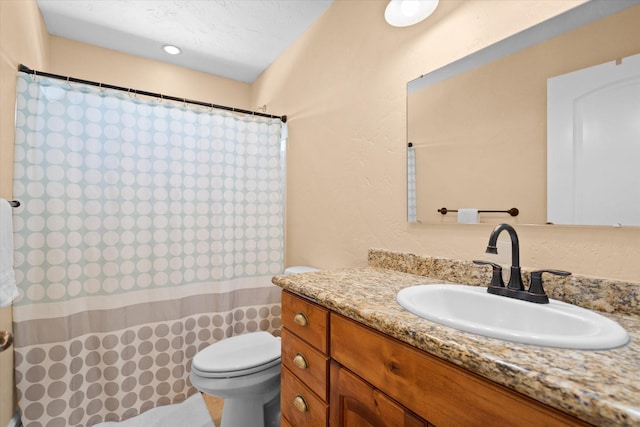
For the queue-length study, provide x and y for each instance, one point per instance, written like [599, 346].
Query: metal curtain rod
[28, 70]
[512, 211]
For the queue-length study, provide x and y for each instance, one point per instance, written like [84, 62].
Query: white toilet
[244, 370]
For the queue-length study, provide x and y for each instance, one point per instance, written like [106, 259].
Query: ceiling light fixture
[171, 50]
[402, 13]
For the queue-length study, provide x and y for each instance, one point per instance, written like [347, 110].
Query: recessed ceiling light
[171, 50]
[402, 13]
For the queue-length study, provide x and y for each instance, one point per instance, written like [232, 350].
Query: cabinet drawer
[308, 364]
[356, 403]
[299, 405]
[432, 388]
[307, 320]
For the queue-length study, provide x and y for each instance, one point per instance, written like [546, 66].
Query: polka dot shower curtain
[147, 230]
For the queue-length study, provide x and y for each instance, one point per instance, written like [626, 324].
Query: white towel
[467, 216]
[8, 289]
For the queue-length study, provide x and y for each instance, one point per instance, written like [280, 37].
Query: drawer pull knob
[300, 361]
[5, 340]
[301, 319]
[300, 403]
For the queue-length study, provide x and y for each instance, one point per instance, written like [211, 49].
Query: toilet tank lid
[238, 353]
[299, 269]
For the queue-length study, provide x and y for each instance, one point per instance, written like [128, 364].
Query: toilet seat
[238, 356]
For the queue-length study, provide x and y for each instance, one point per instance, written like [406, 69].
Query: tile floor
[214, 405]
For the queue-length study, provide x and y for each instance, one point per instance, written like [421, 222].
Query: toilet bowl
[244, 370]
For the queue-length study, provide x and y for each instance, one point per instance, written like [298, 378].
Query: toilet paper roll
[467, 216]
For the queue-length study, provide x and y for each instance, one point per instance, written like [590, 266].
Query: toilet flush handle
[301, 319]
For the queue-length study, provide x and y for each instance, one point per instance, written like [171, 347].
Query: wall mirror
[477, 128]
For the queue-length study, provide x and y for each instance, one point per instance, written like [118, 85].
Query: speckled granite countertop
[600, 387]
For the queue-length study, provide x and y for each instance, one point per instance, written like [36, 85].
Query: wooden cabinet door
[354, 403]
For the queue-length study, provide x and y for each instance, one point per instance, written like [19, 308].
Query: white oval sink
[472, 309]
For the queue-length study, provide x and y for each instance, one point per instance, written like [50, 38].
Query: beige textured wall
[343, 87]
[23, 39]
[71, 58]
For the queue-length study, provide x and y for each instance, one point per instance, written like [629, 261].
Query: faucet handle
[536, 280]
[496, 278]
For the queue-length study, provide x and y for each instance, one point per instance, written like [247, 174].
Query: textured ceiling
[236, 39]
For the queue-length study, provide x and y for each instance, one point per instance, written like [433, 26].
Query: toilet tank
[299, 269]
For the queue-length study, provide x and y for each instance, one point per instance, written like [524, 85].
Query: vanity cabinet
[371, 379]
[305, 363]
[433, 389]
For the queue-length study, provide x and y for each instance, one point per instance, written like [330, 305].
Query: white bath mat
[191, 413]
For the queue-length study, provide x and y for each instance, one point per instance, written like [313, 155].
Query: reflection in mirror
[478, 126]
[593, 145]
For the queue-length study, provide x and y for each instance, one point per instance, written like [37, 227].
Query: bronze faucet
[515, 288]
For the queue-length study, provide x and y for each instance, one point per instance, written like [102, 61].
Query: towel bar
[512, 211]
